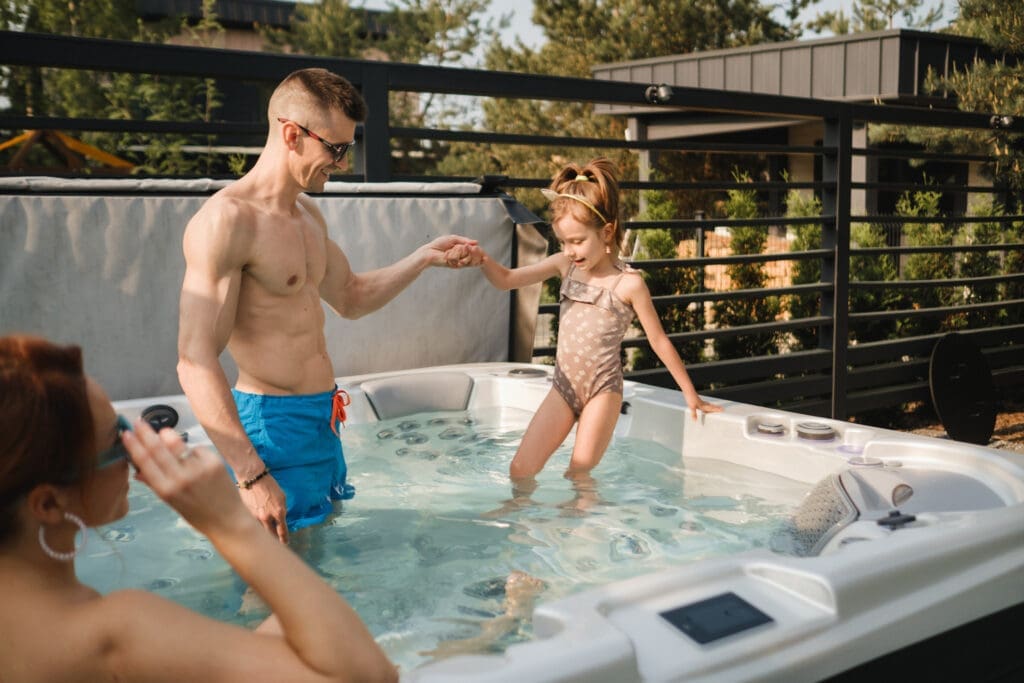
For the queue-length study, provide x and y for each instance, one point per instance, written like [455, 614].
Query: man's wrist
[247, 464]
[247, 483]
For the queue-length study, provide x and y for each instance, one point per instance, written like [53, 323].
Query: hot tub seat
[407, 394]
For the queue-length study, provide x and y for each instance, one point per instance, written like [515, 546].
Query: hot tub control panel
[709, 620]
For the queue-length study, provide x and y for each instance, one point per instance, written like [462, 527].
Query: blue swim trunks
[294, 437]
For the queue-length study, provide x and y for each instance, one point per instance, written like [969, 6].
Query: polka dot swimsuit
[591, 324]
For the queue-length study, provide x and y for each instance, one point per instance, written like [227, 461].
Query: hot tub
[886, 547]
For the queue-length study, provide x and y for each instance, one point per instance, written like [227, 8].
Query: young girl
[599, 297]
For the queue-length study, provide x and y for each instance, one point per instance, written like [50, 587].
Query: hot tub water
[437, 553]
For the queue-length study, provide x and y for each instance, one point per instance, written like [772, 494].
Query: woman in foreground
[64, 465]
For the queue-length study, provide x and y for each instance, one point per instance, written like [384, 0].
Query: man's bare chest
[286, 258]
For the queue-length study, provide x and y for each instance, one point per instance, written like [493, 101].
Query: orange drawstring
[338, 403]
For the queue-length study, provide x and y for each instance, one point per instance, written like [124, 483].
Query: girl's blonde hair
[590, 193]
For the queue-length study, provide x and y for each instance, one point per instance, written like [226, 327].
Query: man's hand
[266, 502]
[451, 251]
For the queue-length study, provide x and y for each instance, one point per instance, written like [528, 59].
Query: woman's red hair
[46, 423]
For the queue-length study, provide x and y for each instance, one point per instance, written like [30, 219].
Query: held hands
[464, 255]
[450, 251]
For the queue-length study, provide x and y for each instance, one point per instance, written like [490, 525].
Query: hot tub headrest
[840, 499]
[825, 510]
[403, 395]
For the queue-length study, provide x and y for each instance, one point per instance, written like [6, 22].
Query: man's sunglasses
[338, 150]
[117, 452]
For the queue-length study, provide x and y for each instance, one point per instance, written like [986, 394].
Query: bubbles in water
[434, 421]
[195, 553]
[385, 434]
[486, 589]
[451, 433]
[662, 536]
[414, 438]
[124, 534]
[429, 552]
[408, 426]
[628, 547]
[163, 583]
[663, 510]
[713, 502]
[423, 453]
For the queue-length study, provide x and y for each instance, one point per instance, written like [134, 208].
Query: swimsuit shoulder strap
[622, 271]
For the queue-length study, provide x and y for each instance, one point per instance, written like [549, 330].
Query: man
[257, 263]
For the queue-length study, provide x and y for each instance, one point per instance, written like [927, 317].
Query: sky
[523, 27]
[522, 10]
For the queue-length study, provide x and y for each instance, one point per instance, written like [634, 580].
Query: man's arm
[214, 257]
[353, 295]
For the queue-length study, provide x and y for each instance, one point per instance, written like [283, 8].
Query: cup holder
[815, 431]
[770, 428]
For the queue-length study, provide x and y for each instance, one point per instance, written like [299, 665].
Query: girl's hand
[463, 255]
[192, 481]
[703, 406]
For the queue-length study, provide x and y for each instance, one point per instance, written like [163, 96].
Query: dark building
[884, 67]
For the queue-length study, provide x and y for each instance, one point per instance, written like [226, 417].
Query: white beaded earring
[70, 555]
[608, 249]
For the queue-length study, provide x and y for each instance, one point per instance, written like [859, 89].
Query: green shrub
[752, 276]
[663, 244]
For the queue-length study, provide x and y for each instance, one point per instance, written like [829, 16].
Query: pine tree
[431, 32]
[84, 94]
[989, 87]
[580, 34]
[878, 15]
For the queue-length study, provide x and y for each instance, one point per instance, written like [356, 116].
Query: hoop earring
[70, 555]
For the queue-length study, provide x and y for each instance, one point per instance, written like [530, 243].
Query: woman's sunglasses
[117, 452]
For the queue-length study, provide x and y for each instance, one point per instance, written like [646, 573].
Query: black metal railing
[834, 375]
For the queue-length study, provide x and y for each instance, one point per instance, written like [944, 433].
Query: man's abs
[279, 346]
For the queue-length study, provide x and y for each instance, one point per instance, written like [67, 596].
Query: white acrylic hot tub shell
[851, 604]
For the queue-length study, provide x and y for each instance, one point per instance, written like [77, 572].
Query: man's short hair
[326, 90]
